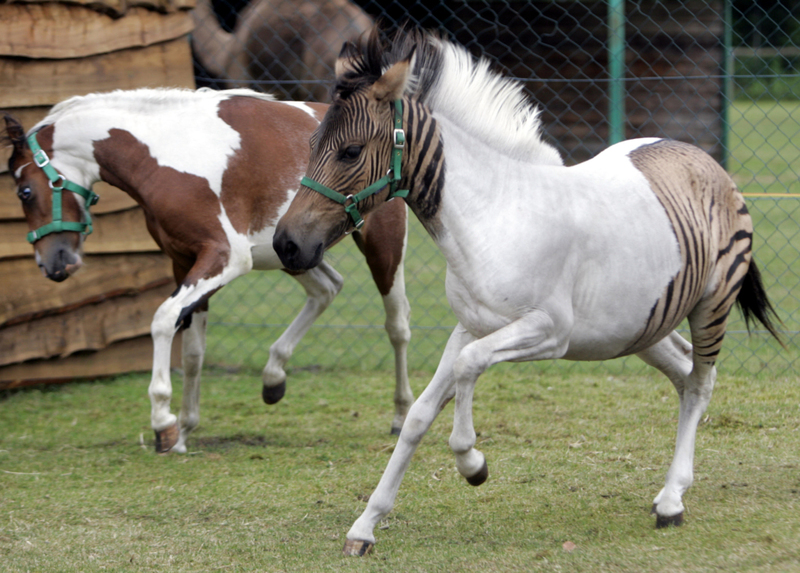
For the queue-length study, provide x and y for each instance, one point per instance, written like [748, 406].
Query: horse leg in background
[194, 348]
[322, 284]
[398, 312]
[535, 336]
[383, 242]
[176, 312]
[423, 412]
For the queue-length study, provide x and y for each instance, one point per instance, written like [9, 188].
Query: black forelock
[366, 61]
[373, 52]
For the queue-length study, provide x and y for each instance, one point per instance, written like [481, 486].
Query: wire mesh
[723, 75]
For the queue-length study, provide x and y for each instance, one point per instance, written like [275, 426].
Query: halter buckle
[399, 139]
[40, 158]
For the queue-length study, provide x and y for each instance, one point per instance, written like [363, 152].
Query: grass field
[576, 452]
[573, 459]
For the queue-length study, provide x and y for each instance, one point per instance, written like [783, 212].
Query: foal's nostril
[286, 248]
[290, 248]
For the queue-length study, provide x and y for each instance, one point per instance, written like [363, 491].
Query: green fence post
[727, 82]
[616, 71]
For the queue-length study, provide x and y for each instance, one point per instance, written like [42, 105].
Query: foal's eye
[352, 152]
[24, 193]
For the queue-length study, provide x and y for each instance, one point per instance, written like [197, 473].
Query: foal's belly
[590, 323]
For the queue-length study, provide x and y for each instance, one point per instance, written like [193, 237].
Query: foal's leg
[194, 348]
[195, 288]
[361, 537]
[384, 245]
[398, 312]
[672, 356]
[322, 284]
[536, 336]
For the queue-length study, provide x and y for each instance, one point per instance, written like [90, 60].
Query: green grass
[572, 458]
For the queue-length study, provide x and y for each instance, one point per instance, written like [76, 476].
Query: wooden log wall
[97, 322]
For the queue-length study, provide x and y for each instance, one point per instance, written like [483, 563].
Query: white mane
[491, 107]
[142, 100]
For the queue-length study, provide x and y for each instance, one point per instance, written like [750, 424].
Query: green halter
[392, 178]
[59, 183]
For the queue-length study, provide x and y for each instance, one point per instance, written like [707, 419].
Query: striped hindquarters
[714, 234]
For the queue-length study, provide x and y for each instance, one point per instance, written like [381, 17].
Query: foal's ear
[15, 133]
[394, 81]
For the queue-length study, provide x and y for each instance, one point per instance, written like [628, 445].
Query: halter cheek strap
[59, 183]
[392, 178]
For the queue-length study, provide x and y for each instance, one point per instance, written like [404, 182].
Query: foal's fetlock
[667, 509]
[273, 381]
[472, 465]
[397, 425]
[167, 438]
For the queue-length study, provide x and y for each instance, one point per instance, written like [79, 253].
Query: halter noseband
[59, 183]
[392, 178]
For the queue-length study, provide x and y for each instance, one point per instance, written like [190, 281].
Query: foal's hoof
[273, 394]
[357, 547]
[665, 521]
[167, 438]
[480, 477]
[395, 431]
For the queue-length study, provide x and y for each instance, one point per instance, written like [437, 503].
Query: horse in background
[213, 171]
[280, 41]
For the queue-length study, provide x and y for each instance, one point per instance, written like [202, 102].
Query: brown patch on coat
[270, 162]
[181, 210]
[383, 238]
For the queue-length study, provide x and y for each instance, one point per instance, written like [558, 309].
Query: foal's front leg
[532, 337]
[195, 288]
[439, 391]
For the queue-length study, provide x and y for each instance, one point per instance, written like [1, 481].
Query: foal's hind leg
[694, 383]
[322, 284]
[194, 347]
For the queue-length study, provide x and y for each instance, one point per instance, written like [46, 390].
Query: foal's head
[58, 254]
[351, 152]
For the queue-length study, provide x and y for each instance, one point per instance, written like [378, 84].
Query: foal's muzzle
[297, 255]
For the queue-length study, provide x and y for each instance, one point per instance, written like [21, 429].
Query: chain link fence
[722, 74]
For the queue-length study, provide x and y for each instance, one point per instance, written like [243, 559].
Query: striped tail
[753, 302]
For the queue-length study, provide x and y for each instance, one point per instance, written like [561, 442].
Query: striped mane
[456, 86]
[140, 100]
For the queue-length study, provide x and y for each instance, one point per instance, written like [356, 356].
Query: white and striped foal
[595, 261]
[213, 172]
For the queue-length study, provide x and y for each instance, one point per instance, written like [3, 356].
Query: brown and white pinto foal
[213, 171]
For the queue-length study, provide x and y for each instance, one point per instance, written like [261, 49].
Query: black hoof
[357, 548]
[480, 477]
[273, 394]
[662, 521]
[395, 431]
